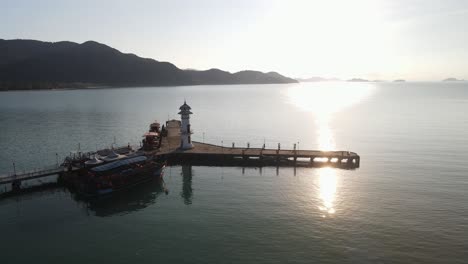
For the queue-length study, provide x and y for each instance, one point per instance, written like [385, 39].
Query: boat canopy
[113, 156]
[93, 161]
[116, 164]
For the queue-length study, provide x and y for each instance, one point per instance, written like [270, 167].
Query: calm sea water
[408, 203]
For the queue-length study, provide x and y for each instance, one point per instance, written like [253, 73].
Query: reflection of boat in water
[119, 203]
[118, 175]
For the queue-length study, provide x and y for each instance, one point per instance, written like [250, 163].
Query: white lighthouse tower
[185, 132]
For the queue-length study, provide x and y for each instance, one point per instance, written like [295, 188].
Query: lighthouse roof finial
[185, 108]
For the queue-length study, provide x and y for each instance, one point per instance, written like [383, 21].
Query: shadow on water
[124, 202]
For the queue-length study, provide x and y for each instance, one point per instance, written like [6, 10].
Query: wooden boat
[118, 175]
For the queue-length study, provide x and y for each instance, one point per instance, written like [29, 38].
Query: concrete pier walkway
[214, 155]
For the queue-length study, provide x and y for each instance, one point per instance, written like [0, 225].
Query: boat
[118, 175]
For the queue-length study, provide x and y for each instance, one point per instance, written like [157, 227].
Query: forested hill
[32, 64]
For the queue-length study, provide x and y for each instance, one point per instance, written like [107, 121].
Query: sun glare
[331, 38]
[323, 100]
[326, 98]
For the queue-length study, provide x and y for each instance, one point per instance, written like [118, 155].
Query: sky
[421, 40]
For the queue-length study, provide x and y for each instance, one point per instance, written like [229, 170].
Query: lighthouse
[185, 132]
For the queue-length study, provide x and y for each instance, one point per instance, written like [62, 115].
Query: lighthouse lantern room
[185, 131]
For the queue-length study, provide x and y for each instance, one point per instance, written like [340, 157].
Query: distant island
[452, 80]
[317, 79]
[358, 80]
[321, 79]
[32, 64]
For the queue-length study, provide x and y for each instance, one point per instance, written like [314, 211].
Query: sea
[407, 203]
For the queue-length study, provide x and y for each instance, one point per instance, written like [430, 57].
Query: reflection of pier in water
[187, 191]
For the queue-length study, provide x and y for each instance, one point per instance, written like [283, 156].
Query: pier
[214, 155]
[30, 175]
[197, 153]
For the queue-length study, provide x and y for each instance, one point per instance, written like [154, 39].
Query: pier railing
[32, 174]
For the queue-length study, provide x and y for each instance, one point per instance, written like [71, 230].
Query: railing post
[295, 153]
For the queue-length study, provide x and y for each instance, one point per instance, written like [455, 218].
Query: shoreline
[98, 87]
[130, 86]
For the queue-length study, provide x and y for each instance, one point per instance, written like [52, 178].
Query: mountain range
[32, 64]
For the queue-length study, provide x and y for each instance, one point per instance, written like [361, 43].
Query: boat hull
[116, 184]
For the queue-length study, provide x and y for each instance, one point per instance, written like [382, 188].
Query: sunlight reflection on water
[324, 100]
[327, 184]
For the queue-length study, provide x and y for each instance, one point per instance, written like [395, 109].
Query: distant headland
[32, 65]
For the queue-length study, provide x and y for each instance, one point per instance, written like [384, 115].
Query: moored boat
[118, 175]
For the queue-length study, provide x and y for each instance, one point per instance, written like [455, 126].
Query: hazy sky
[411, 39]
